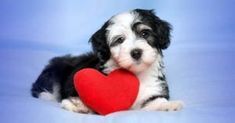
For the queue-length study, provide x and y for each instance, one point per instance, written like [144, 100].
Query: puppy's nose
[136, 54]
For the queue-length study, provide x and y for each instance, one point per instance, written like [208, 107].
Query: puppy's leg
[162, 104]
[76, 105]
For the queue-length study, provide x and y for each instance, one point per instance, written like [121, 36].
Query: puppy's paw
[74, 104]
[107, 70]
[171, 106]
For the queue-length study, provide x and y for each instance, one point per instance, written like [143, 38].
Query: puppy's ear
[99, 44]
[160, 27]
[162, 30]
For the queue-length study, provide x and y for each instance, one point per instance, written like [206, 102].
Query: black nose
[136, 54]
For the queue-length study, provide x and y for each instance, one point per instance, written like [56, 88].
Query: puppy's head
[134, 39]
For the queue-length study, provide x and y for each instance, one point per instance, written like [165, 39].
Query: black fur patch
[161, 28]
[162, 78]
[100, 44]
[165, 90]
[60, 71]
[152, 98]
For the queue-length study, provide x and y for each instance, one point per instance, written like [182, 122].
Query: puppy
[132, 40]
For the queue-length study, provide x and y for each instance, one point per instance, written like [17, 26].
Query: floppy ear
[162, 31]
[99, 44]
[160, 27]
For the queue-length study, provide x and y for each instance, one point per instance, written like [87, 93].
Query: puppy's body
[56, 80]
[134, 41]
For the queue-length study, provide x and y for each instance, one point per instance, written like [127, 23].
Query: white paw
[74, 104]
[107, 70]
[171, 106]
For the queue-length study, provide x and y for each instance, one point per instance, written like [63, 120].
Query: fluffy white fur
[46, 95]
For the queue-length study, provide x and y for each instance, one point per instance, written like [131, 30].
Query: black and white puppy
[131, 40]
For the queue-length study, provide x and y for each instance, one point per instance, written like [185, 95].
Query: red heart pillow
[106, 94]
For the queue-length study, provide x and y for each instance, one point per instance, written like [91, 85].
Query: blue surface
[199, 63]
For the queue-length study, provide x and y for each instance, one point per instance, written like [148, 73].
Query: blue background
[199, 62]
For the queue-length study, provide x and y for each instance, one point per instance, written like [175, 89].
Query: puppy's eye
[144, 33]
[117, 41]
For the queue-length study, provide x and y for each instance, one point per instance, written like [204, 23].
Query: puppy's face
[134, 39]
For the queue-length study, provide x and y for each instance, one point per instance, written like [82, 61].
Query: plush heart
[106, 94]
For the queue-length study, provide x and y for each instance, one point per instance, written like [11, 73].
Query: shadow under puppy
[132, 40]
